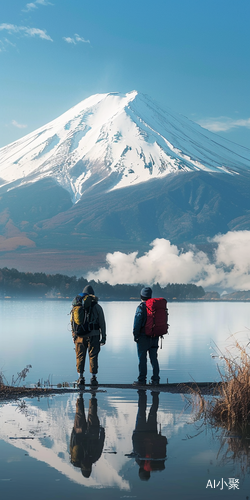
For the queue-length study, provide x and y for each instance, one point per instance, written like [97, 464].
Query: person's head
[88, 290]
[144, 475]
[86, 471]
[86, 466]
[146, 293]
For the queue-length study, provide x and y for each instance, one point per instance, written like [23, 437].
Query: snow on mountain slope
[126, 139]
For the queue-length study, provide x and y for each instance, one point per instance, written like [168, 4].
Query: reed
[232, 407]
[16, 380]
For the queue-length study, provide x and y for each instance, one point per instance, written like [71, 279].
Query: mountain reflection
[66, 433]
[97, 441]
[149, 446]
[87, 437]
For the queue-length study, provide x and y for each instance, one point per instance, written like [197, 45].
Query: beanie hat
[89, 290]
[146, 292]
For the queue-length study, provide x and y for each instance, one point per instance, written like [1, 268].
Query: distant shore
[126, 299]
[16, 285]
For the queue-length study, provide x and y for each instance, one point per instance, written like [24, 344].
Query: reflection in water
[87, 437]
[149, 446]
[235, 449]
[62, 451]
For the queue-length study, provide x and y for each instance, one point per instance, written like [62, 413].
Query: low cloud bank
[165, 263]
[223, 124]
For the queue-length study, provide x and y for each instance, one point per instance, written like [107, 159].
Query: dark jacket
[149, 446]
[140, 321]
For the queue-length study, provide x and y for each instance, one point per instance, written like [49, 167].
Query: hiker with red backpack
[150, 323]
[149, 445]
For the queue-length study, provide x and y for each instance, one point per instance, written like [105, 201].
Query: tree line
[16, 284]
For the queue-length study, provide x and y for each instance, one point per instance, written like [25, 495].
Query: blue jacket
[140, 321]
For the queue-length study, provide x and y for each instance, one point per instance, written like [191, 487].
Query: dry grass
[16, 380]
[231, 407]
[229, 411]
[2, 380]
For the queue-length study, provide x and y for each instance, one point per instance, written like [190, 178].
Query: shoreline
[9, 393]
[131, 299]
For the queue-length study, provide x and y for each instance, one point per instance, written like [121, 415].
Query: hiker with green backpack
[88, 332]
[150, 323]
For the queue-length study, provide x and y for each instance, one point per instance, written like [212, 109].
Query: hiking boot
[81, 382]
[139, 382]
[154, 382]
[93, 381]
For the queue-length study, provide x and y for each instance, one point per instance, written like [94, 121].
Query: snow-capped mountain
[122, 139]
[114, 173]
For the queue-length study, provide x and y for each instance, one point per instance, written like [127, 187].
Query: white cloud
[34, 5]
[69, 40]
[76, 39]
[165, 263]
[43, 2]
[6, 41]
[40, 33]
[18, 125]
[223, 124]
[80, 39]
[31, 6]
[25, 30]
[3, 44]
[9, 27]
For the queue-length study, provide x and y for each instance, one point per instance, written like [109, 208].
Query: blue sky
[190, 55]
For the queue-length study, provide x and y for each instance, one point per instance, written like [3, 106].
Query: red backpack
[157, 317]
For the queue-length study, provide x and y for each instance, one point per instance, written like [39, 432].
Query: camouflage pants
[92, 345]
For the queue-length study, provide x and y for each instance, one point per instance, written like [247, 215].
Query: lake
[115, 444]
[38, 333]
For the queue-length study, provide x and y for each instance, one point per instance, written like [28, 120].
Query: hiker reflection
[149, 446]
[87, 437]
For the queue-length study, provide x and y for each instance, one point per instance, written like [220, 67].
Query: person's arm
[139, 321]
[102, 324]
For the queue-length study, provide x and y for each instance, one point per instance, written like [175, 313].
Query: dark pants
[149, 446]
[148, 345]
[92, 345]
[144, 424]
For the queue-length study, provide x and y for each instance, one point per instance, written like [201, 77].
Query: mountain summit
[114, 173]
[124, 139]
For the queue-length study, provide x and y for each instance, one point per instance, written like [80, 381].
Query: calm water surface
[118, 443]
[38, 333]
[100, 447]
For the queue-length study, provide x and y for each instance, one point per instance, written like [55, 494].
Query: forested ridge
[16, 284]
